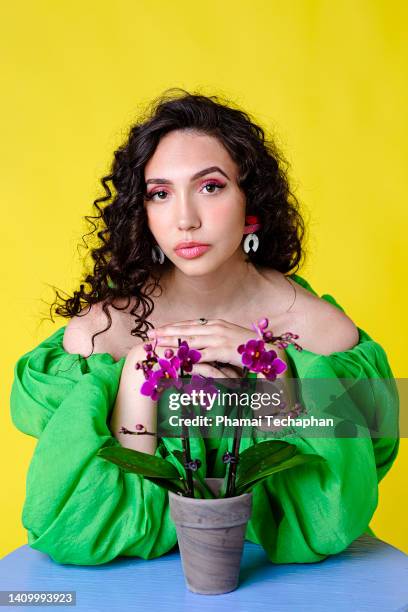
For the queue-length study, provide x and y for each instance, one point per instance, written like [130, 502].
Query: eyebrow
[163, 181]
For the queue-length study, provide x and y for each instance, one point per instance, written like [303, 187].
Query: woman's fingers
[198, 341]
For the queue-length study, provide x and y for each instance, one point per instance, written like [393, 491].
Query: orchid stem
[235, 447]
[186, 447]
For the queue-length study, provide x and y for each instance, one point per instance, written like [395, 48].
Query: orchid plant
[246, 469]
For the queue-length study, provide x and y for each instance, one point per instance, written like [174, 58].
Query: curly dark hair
[122, 261]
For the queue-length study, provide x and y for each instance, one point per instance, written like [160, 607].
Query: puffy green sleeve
[312, 511]
[79, 508]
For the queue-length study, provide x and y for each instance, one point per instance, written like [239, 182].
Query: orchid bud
[263, 323]
[229, 458]
[124, 430]
[193, 465]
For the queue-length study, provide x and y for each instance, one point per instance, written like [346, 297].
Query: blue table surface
[368, 575]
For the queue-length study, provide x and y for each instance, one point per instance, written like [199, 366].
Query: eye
[214, 187]
[212, 184]
[150, 196]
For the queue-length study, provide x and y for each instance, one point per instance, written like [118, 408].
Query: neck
[232, 284]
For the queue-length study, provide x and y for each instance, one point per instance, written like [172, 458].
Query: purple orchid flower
[158, 380]
[153, 385]
[187, 356]
[257, 359]
[270, 365]
[251, 353]
[169, 367]
[198, 382]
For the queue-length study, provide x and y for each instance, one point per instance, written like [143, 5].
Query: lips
[190, 250]
[189, 243]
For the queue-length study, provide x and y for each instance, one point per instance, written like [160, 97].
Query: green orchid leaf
[198, 476]
[202, 486]
[139, 463]
[164, 452]
[180, 458]
[176, 486]
[179, 463]
[253, 459]
[243, 486]
[224, 485]
[178, 453]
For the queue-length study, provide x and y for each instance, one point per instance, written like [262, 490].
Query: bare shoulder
[327, 329]
[91, 320]
[322, 327]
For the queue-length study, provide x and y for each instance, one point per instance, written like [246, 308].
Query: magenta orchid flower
[270, 365]
[158, 380]
[167, 374]
[187, 356]
[153, 385]
[251, 353]
[169, 367]
[198, 382]
[257, 359]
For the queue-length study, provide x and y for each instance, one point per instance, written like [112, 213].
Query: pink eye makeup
[212, 184]
[150, 196]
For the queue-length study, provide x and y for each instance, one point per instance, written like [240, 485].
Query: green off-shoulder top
[81, 509]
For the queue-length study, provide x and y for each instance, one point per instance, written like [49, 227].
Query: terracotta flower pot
[211, 535]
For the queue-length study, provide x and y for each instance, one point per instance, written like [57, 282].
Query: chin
[197, 267]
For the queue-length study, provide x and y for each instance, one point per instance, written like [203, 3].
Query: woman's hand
[217, 342]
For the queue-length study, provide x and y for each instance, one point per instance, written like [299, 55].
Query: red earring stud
[251, 224]
[251, 241]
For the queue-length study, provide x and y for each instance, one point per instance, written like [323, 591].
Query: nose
[187, 214]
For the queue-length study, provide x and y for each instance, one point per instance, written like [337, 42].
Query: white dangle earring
[157, 254]
[251, 242]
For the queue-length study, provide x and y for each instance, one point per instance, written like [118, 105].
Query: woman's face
[192, 195]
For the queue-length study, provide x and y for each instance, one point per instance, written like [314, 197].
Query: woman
[194, 171]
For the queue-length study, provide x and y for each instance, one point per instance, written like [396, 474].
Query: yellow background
[327, 77]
